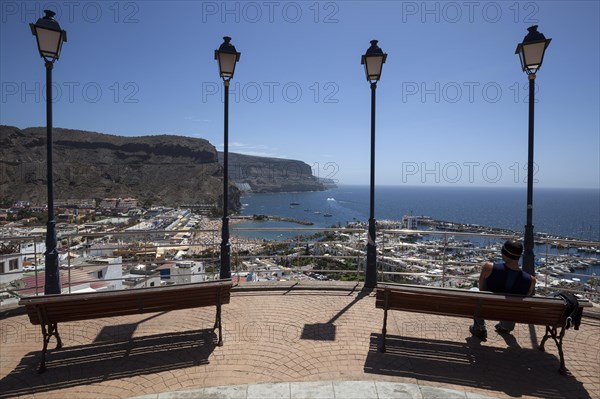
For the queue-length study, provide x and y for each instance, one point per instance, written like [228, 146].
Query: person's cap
[512, 249]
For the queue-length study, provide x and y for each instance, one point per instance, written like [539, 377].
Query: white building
[127, 203]
[33, 251]
[109, 203]
[141, 280]
[106, 269]
[410, 222]
[11, 267]
[183, 272]
[101, 249]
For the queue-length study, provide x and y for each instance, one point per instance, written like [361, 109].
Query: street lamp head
[49, 35]
[227, 57]
[373, 61]
[531, 50]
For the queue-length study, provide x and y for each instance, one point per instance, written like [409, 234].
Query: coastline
[558, 212]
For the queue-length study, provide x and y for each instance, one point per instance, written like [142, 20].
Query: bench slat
[462, 303]
[176, 288]
[73, 307]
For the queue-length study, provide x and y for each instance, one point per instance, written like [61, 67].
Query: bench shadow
[515, 371]
[107, 359]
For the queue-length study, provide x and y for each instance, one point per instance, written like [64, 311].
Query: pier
[273, 218]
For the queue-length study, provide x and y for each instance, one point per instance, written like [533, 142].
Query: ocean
[573, 213]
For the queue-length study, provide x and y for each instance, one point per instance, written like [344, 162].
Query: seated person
[503, 277]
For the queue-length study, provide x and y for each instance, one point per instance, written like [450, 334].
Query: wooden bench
[549, 312]
[49, 310]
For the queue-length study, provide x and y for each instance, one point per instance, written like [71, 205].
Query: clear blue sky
[451, 104]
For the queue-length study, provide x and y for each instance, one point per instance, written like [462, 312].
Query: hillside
[268, 175]
[157, 170]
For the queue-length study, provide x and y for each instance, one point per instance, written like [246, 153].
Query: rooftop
[298, 342]
[33, 283]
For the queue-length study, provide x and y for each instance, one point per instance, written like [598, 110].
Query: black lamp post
[50, 38]
[227, 57]
[373, 61]
[531, 52]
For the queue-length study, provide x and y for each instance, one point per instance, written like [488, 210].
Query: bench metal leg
[218, 325]
[544, 339]
[383, 331]
[386, 296]
[551, 332]
[48, 331]
[218, 316]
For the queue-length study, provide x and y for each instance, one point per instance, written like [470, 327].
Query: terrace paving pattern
[294, 343]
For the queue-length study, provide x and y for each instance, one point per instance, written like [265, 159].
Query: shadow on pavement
[327, 331]
[515, 371]
[109, 360]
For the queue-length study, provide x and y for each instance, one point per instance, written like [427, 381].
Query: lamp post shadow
[327, 331]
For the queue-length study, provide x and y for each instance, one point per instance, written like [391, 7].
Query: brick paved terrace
[292, 335]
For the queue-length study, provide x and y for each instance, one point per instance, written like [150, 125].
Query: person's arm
[486, 270]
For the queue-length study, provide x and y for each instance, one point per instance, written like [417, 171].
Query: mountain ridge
[156, 169]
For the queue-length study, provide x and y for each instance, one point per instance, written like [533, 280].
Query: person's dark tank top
[505, 280]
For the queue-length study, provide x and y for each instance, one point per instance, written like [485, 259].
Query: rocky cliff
[268, 175]
[157, 170]
[160, 170]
